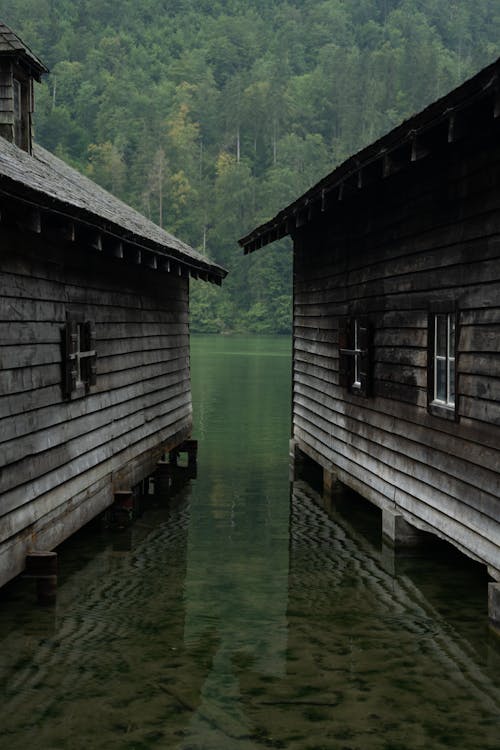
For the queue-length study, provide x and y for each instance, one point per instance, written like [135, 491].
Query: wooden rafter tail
[496, 103]
[149, 260]
[116, 249]
[96, 241]
[33, 220]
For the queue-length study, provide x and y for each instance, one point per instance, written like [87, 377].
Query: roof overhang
[12, 46]
[41, 215]
[448, 120]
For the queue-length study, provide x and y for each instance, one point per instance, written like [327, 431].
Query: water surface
[240, 613]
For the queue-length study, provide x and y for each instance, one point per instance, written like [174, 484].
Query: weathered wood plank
[469, 297]
[439, 489]
[480, 339]
[417, 254]
[375, 492]
[455, 278]
[485, 388]
[113, 363]
[29, 355]
[55, 491]
[43, 425]
[47, 446]
[415, 377]
[29, 333]
[480, 364]
[482, 411]
[83, 454]
[415, 425]
[480, 317]
[407, 356]
[113, 347]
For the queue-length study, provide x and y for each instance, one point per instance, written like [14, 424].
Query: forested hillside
[209, 115]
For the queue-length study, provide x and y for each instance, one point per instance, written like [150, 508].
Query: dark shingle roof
[10, 43]
[463, 103]
[48, 182]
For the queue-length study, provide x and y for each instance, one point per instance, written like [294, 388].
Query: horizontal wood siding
[61, 460]
[428, 235]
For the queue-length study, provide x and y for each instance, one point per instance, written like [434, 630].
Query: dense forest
[210, 115]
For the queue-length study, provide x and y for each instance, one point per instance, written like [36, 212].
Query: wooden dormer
[18, 69]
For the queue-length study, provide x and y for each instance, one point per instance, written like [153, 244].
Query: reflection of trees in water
[241, 393]
[371, 661]
[111, 662]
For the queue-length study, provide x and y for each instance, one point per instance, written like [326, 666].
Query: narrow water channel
[239, 613]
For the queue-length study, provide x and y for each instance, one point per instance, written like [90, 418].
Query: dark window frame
[355, 343]
[437, 407]
[80, 356]
[22, 106]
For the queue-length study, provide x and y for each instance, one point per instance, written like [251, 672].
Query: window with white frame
[444, 359]
[442, 376]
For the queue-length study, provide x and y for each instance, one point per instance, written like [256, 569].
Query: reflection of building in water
[376, 657]
[112, 661]
[396, 364]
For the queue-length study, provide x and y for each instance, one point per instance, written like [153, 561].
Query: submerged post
[397, 531]
[42, 567]
[121, 512]
[494, 605]
[188, 446]
[163, 478]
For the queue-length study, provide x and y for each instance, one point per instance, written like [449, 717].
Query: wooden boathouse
[94, 335]
[396, 356]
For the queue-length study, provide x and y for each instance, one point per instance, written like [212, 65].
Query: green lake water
[240, 613]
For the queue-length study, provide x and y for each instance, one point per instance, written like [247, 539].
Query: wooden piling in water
[121, 512]
[41, 566]
[494, 606]
[188, 446]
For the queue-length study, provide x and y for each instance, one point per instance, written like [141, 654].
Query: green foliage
[210, 116]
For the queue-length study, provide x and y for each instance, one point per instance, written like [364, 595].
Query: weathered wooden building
[396, 359]
[94, 334]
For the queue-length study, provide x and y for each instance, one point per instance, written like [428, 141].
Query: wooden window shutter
[430, 359]
[344, 360]
[365, 342]
[90, 343]
[71, 347]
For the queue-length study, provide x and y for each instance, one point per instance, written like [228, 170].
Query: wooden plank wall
[62, 460]
[6, 97]
[430, 233]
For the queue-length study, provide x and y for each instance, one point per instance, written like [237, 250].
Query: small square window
[80, 356]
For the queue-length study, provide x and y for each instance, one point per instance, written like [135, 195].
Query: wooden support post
[292, 464]
[121, 512]
[191, 447]
[298, 461]
[163, 478]
[397, 531]
[494, 606]
[163, 469]
[33, 220]
[96, 241]
[496, 106]
[188, 446]
[330, 482]
[42, 567]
